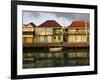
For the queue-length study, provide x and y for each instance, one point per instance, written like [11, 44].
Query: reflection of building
[28, 33]
[77, 32]
[36, 59]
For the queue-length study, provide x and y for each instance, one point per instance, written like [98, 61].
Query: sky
[64, 19]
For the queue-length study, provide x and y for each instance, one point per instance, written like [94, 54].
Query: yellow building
[48, 35]
[49, 32]
[77, 32]
[28, 33]
[43, 35]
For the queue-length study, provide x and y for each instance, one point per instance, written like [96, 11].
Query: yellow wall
[27, 40]
[77, 38]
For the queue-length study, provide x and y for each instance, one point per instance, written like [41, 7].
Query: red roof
[79, 24]
[50, 23]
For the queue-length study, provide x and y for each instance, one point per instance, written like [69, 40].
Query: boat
[54, 49]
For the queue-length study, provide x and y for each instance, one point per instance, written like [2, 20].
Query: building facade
[28, 33]
[77, 32]
[49, 32]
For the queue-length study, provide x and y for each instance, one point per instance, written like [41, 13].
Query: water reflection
[38, 59]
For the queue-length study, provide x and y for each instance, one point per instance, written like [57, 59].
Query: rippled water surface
[38, 58]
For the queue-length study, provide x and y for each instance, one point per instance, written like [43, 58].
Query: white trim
[21, 71]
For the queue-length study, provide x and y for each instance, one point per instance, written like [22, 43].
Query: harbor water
[42, 57]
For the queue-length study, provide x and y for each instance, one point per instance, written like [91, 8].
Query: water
[42, 57]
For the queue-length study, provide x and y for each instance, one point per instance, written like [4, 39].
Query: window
[59, 37]
[87, 38]
[77, 30]
[71, 38]
[54, 37]
[42, 38]
[66, 29]
[84, 38]
[78, 38]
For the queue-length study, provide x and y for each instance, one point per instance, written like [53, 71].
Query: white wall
[5, 35]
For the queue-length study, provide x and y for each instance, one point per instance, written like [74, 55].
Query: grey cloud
[82, 17]
[70, 16]
[34, 14]
[73, 16]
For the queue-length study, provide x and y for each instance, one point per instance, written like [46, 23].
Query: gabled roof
[79, 24]
[32, 24]
[50, 23]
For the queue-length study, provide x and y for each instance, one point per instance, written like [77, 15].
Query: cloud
[31, 14]
[73, 16]
[39, 17]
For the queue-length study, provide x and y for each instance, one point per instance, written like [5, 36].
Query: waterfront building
[77, 32]
[28, 33]
[49, 32]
